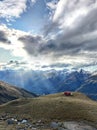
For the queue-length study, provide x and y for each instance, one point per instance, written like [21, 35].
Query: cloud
[57, 65]
[30, 39]
[77, 49]
[72, 16]
[10, 9]
[13, 65]
[33, 1]
[52, 4]
[72, 30]
[70, 38]
[31, 43]
[36, 45]
[3, 37]
[13, 9]
[61, 49]
[9, 41]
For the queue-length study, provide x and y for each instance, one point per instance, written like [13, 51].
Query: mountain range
[52, 81]
[44, 82]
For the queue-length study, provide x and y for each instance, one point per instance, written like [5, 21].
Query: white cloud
[70, 15]
[33, 1]
[15, 46]
[26, 48]
[52, 5]
[68, 8]
[59, 10]
[10, 9]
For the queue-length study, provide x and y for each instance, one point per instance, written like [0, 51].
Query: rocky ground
[71, 125]
[13, 123]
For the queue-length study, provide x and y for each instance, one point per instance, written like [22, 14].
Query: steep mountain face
[90, 87]
[45, 82]
[74, 80]
[8, 92]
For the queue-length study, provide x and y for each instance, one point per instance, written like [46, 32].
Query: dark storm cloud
[59, 46]
[53, 46]
[36, 46]
[90, 45]
[31, 43]
[3, 37]
[30, 39]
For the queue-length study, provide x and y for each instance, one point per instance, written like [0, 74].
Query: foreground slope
[8, 92]
[54, 107]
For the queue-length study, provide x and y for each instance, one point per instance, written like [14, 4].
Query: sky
[56, 33]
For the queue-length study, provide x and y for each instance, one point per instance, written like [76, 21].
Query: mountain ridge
[45, 82]
[89, 87]
[49, 82]
[9, 92]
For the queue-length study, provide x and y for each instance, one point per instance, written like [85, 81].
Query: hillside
[54, 107]
[9, 92]
[90, 87]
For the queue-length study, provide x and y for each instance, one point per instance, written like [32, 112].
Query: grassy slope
[54, 107]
